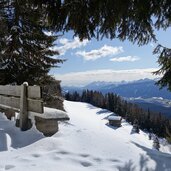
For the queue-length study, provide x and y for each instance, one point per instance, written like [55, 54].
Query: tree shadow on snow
[162, 160]
[104, 111]
[3, 141]
[11, 136]
[129, 166]
[112, 127]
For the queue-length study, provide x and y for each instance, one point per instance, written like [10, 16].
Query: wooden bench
[48, 122]
[115, 121]
[27, 100]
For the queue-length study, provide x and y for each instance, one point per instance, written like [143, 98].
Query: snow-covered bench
[27, 100]
[47, 123]
[115, 121]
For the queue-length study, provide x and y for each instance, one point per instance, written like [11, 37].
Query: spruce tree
[164, 60]
[168, 135]
[26, 50]
[135, 128]
[156, 144]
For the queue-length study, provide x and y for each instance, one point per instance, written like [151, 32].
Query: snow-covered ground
[84, 143]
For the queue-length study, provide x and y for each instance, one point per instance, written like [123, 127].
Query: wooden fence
[23, 99]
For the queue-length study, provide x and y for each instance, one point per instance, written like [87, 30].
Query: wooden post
[23, 108]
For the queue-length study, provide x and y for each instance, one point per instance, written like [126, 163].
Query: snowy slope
[86, 142]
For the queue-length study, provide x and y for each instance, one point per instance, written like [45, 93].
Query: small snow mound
[114, 118]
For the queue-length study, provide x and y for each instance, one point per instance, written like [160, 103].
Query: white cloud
[125, 59]
[83, 78]
[63, 41]
[99, 53]
[69, 44]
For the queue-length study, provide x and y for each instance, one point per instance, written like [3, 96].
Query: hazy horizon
[84, 78]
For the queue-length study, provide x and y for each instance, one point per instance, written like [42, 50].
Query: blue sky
[105, 60]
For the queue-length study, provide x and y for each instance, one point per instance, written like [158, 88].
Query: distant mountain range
[143, 92]
[154, 104]
[144, 88]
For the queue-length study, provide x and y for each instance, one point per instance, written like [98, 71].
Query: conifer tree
[156, 144]
[135, 128]
[168, 135]
[25, 53]
[164, 60]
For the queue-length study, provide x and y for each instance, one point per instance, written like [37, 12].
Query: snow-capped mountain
[144, 88]
[86, 142]
[98, 85]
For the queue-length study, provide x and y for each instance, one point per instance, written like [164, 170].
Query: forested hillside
[147, 120]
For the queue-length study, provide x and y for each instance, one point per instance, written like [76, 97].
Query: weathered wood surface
[23, 108]
[47, 126]
[35, 106]
[116, 123]
[10, 101]
[32, 91]
[14, 102]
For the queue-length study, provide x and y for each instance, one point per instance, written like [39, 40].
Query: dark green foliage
[113, 19]
[25, 53]
[135, 128]
[150, 136]
[168, 135]
[124, 19]
[156, 144]
[147, 120]
[51, 91]
[164, 61]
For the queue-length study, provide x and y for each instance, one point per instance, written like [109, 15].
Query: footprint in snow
[36, 155]
[63, 152]
[84, 155]
[8, 167]
[97, 159]
[56, 158]
[113, 160]
[86, 164]
[24, 160]
[78, 131]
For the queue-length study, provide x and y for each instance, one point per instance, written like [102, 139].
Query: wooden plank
[4, 107]
[47, 127]
[10, 90]
[32, 92]
[23, 108]
[14, 102]
[35, 106]
[10, 101]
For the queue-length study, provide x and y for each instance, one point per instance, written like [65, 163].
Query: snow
[114, 118]
[50, 113]
[85, 142]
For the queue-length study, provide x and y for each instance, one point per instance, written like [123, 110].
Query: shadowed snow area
[84, 143]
